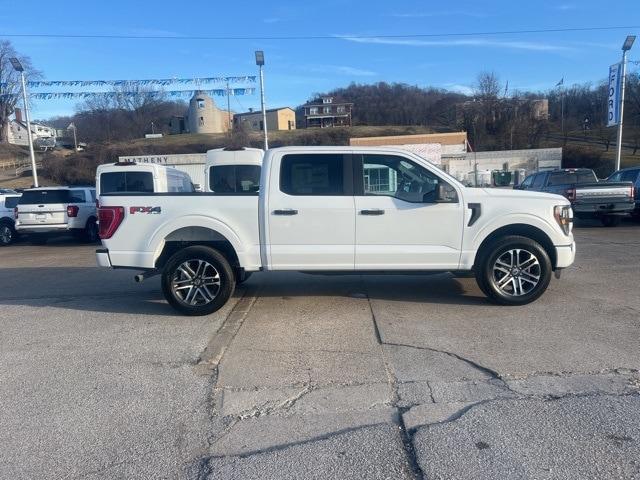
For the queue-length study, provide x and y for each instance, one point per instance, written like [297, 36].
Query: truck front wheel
[514, 270]
[197, 280]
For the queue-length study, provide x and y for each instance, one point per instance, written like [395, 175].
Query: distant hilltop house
[203, 116]
[536, 109]
[277, 119]
[326, 113]
[44, 137]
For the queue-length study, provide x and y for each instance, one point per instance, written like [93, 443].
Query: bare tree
[10, 85]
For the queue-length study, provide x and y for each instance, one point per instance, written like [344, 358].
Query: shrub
[587, 157]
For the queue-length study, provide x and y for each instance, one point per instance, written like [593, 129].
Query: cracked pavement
[322, 376]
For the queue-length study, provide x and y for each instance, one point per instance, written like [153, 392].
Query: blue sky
[298, 68]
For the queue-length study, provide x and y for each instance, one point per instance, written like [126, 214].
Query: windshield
[44, 197]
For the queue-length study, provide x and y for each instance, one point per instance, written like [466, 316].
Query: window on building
[312, 174]
[327, 100]
[200, 103]
[341, 109]
[313, 111]
[326, 110]
[201, 121]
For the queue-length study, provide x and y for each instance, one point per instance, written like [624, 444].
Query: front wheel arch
[522, 230]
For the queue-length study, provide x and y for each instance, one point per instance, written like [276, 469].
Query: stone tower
[204, 116]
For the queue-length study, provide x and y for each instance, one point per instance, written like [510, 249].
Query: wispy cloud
[459, 88]
[342, 70]
[446, 13]
[464, 42]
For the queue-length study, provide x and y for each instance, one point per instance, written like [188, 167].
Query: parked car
[632, 175]
[606, 201]
[141, 178]
[339, 210]
[45, 212]
[8, 201]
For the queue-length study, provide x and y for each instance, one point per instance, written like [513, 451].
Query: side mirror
[445, 193]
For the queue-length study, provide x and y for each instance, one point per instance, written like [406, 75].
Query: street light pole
[19, 68]
[628, 43]
[260, 63]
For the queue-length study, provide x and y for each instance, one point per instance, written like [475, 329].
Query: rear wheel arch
[518, 229]
[184, 237]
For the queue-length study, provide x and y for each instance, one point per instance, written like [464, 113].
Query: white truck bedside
[338, 209]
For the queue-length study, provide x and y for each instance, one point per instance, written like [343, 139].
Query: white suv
[8, 201]
[43, 212]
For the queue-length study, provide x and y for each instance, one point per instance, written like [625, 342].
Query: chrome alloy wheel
[6, 234]
[196, 282]
[516, 272]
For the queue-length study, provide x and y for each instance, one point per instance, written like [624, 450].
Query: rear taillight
[109, 219]
[570, 194]
[72, 211]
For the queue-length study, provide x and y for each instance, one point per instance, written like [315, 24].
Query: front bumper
[102, 258]
[565, 255]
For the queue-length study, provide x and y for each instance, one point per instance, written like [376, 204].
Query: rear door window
[44, 197]
[137, 182]
[11, 202]
[77, 196]
[313, 174]
[237, 179]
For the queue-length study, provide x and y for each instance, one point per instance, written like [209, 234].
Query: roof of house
[260, 111]
[453, 138]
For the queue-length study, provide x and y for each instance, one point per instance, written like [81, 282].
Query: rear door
[43, 207]
[400, 224]
[310, 212]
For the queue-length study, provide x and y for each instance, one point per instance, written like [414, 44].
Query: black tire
[242, 277]
[7, 234]
[174, 273]
[519, 290]
[611, 220]
[90, 232]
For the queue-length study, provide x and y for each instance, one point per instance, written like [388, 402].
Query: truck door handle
[288, 211]
[374, 211]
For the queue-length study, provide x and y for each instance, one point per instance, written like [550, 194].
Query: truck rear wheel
[514, 270]
[197, 280]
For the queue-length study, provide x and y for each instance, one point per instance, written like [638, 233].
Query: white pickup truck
[338, 209]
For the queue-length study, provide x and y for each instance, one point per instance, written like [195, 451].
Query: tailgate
[604, 192]
[44, 214]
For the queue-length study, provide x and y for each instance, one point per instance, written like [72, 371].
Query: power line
[313, 37]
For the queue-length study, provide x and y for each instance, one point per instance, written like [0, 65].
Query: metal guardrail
[18, 166]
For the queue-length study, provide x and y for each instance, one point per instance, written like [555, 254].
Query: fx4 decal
[147, 210]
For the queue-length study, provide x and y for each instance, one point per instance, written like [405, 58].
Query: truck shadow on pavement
[101, 290]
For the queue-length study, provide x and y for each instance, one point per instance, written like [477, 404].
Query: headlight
[564, 216]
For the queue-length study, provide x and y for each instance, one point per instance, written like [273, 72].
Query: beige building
[203, 116]
[277, 119]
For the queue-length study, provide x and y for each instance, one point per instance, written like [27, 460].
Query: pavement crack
[270, 407]
[406, 437]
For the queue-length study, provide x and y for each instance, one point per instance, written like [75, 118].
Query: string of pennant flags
[147, 82]
[158, 93]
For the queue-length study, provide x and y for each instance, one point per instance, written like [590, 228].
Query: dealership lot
[320, 376]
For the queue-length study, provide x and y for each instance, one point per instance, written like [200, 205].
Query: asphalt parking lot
[320, 376]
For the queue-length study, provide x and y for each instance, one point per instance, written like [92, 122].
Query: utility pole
[628, 43]
[260, 63]
[19, 68]
[230, 127]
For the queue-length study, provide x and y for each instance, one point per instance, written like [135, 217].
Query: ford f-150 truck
[338, 210]
[606, 201]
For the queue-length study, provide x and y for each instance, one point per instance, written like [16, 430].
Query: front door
[310, 213]
[401, 224]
